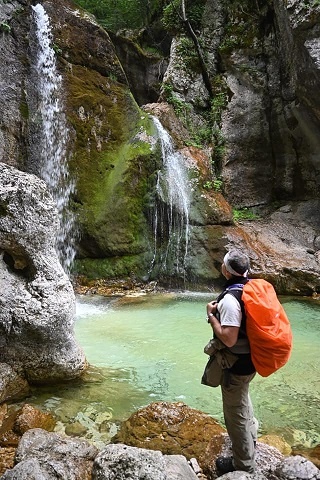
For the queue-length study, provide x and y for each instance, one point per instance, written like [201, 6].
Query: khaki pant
[241, 425]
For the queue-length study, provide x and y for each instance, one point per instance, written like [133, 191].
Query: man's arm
[227, 334]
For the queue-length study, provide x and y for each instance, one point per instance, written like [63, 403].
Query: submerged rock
[37, 300]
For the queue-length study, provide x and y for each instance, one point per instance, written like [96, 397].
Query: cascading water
[171, 216]
[52, 135]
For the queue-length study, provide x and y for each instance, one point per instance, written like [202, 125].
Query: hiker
[227, 320]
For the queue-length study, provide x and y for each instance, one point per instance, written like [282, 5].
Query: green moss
[114, 267]
[5, 27]
[244, 214]
[113, 164]
[172, 17]
[242, 26]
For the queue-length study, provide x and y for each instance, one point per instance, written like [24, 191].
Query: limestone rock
[29, 417]
[7, 455]
[37, 300]
[267, 459]
[13, 104]
[297, 468]
[279, 247]
[173, 428]
[312, 454]
[238, 475]
[12, 385]
[276, 442]
[48, 456]
[15, 423]
[122, 462]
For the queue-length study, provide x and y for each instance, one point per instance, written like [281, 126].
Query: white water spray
[54, 136]
[174, 190]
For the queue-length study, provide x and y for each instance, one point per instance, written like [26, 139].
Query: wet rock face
[271, 122]
[14, 68]
[37, 299]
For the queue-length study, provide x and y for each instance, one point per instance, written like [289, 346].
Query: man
[227, 318]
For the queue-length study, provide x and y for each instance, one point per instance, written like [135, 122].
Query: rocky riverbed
[163, 441]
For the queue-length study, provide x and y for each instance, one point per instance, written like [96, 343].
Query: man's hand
[212, 307]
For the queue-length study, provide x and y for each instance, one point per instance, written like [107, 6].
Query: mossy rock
[115, 165]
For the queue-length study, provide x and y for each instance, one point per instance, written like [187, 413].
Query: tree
[191, 33]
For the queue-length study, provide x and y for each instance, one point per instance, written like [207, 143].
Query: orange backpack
[267, 326]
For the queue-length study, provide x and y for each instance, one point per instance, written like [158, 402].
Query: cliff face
[258, 152]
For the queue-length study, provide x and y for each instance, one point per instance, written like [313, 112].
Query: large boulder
[37, 300]
[172, 428]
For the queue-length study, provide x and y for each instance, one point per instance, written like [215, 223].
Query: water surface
[150, 348]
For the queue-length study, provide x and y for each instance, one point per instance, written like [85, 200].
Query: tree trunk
[203, 66]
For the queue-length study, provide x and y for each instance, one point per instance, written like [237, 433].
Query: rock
[76, 429]
[122, 462]
[7, 455]
[276, 442]
[29, 470]
[14, 423]
[277, 246]
[312, 454]
[37, 300]
[13, 103]
[8, 438]
[243, 476]
[267, 459]
[172, 428]
[12, 385]
[47, 456]
[297, 468]
[29, 417]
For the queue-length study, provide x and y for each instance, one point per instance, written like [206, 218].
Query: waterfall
[171, 215]
[52, 135]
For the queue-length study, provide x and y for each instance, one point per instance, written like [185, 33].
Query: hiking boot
[224, 465]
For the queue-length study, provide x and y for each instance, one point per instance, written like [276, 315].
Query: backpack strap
[236, 291]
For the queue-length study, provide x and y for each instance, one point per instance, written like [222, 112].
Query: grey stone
[37, 299]
[243, 476]
[121, 462]
[47, 456]
[297, 468]
[29, 470]
[12, 385]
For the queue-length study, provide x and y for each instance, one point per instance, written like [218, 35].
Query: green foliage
[181, 108]
[243, 214]
[118, 14]
[56, 49]
[4, 27]
[310, 3]
[201, 136]
[216, 185]
[242, 25]
[186, 50]
[172, 17]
